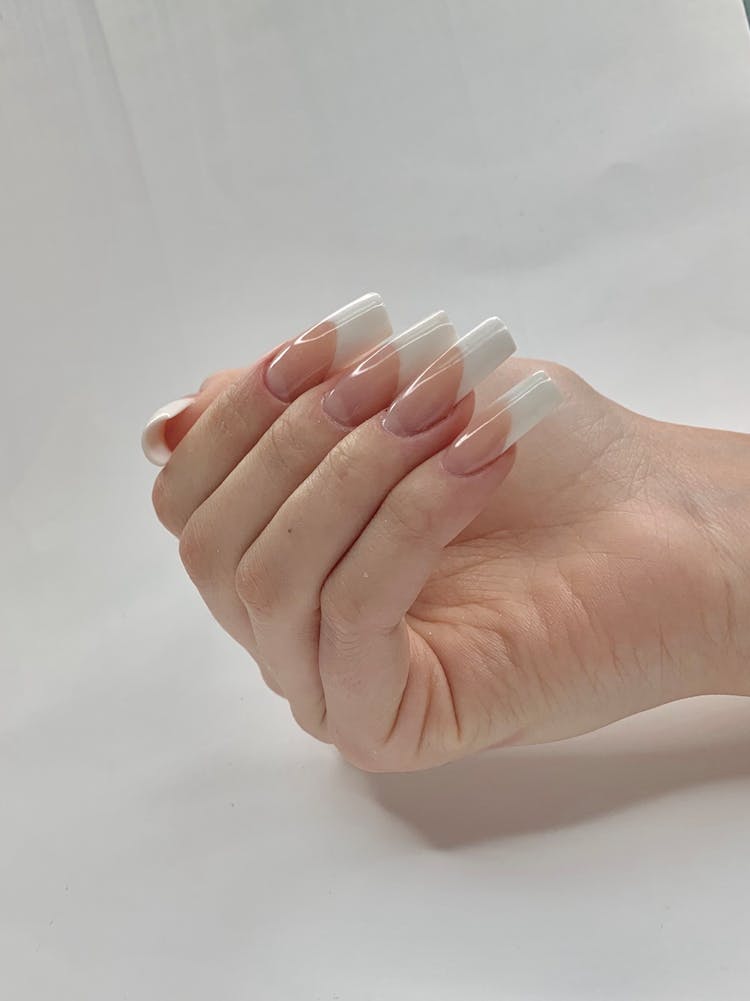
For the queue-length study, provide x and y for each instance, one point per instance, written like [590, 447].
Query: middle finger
[226, 523]
[317, 524]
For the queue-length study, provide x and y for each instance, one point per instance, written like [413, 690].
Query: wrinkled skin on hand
[607, 574]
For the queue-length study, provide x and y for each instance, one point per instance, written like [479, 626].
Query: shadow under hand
[513, 791]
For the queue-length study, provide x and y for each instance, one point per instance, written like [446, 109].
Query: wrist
[709, 474]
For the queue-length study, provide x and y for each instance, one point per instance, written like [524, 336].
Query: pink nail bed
[381, 375]
[434, 393]
[331, 344]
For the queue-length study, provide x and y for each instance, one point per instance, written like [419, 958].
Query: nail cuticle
[336, 421]
[274, 393]
[404, 434]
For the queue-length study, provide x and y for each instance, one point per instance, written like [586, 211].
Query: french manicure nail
[333, 343]
[435, 392]
[500, 425]
[384, 373]
[153, 443]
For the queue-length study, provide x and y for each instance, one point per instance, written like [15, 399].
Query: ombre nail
[154, 446]
[381, 375]
[502, 424]
[331, 344]
[435, 392]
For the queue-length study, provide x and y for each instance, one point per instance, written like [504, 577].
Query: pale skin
[412, 617]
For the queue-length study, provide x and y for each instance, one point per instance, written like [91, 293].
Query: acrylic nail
[502, 424]
[331, 344]
[434, 393]
[373, 384]
[154, 445]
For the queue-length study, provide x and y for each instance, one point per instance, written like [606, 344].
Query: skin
[412, 617]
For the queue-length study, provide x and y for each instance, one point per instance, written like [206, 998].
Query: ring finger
[281, 575]
[226, 524]
[235, 420]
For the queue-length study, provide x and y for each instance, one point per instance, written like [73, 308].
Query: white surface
[185, 183]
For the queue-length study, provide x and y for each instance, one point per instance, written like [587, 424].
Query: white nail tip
[528, 403]
[420, 345]
[360, 325]
[152, 439]
[483, 349]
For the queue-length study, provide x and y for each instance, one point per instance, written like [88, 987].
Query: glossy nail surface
[333, 343]
[500, 425]
[384, 373]
[154, 446]
[434, 393]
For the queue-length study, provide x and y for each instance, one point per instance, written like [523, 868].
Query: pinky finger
[364, 653]
[166, 428]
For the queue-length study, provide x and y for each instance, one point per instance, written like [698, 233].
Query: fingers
[385, 690]
[167, 426]
[235, 420]
[280, 576]
[283, 570]
[227, 429]
[220, 531]
[295, 498]
[378, 681]
[269, 677]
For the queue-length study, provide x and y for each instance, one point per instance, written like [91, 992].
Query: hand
[414, 608]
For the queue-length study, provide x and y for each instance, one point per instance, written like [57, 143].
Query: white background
[184, 183]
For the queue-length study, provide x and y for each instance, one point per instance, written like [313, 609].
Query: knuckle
[163, 503]
[254, 586]
[342, 468]
[312, 719]
[233, 411]
[194, 552]
[283, 446]
[269, 679]
[365, 754]
[341, 611]
[409, 516]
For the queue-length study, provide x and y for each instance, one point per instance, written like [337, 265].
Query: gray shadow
[510, 792]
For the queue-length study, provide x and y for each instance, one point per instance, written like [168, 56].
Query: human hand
[414, 608]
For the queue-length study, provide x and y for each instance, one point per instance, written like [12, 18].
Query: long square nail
[381, 375]
[502, 424]
[434, 393]
[331, 344]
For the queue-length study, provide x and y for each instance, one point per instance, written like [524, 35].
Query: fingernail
[154, 446]
[435, 392]
[500, 425]
[333, 343]
[376, 380]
